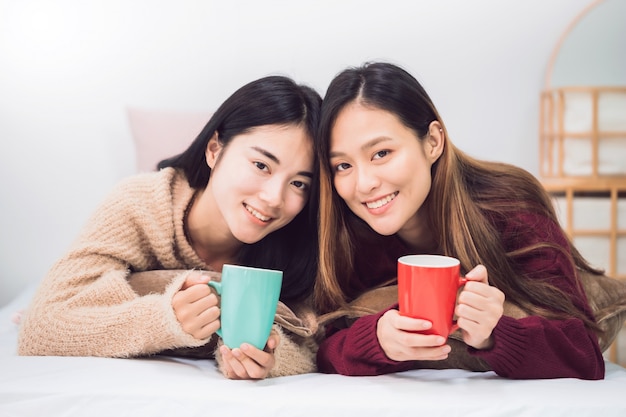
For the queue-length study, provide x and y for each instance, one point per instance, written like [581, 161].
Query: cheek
[404, 173]
[242, 181]
[294, 206]
[342, 186]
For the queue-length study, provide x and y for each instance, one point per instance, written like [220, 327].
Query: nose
[367, 180]
[272, 193]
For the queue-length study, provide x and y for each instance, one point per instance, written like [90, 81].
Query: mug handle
[455, 326]
[218, 287]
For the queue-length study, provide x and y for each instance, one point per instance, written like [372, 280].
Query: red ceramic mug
[427, 289]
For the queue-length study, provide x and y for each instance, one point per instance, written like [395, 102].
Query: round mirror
[583, 107]
[592, 52]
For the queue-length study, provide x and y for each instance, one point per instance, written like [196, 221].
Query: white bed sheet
[163, 386]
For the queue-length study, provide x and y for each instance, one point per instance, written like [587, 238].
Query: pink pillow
[160, 134]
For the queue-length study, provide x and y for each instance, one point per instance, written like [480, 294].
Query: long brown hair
[467, 201]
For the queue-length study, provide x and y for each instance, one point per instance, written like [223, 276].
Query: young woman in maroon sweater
[392, 183]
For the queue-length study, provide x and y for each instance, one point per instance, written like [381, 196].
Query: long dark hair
[272, 100]
[467, 201]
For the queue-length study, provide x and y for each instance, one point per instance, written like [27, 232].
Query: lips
[257, 214]
[381, 201]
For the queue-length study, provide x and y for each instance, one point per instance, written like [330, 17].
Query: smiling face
[381, 169]
[259, 182]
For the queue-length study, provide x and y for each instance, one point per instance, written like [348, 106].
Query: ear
[434, 142]
[213, 149]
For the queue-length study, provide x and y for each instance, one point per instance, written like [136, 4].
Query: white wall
[68, 69]
[594, 50]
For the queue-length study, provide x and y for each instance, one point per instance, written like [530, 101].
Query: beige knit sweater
[86, 306]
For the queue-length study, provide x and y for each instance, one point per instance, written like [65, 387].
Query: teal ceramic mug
[249, 297]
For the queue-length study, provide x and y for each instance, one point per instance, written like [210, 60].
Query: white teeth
[379, 203]
[257, 214]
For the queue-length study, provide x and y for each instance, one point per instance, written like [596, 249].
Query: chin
[253, 241]
[385, 231]
[251, 238]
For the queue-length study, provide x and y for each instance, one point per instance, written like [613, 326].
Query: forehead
[273, 135]
[290, 144]
[356, 123]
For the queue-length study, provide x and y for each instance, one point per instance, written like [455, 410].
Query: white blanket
[164, 386]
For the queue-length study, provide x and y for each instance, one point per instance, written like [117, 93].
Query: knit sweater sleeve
[85, 305]
[537, 347]
[356, 351]
[530, 347]
[294, 355]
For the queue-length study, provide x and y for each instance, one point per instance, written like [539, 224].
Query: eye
[300, 185]
[261, 166]
[381, 154]
[342, 166]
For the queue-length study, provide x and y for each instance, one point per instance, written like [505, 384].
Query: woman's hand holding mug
[428, 286]
[479, 309]
[196, 306]
[249, 362]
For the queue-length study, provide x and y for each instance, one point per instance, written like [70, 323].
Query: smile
[257, 214]
[381, 202]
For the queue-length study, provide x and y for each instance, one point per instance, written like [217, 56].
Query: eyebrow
[367, 145]
[277, 161]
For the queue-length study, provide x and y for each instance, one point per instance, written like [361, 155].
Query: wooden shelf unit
[562, 111]
[614, 190]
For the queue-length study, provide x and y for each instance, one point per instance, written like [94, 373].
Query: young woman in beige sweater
[244, 192]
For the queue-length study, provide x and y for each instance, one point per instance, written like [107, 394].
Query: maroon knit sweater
[531, 347]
